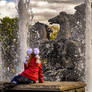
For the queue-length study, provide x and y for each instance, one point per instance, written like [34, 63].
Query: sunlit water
[22, 34]
[1, 64]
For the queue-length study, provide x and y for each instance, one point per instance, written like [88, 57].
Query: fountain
[24, 19]
[1, 64]
[61, 56]
[55, 53]
[39, 32]
[88, 44]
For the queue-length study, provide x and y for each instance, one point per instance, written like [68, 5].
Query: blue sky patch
[9, 0]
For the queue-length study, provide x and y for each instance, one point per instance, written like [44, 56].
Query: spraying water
[88, 41]
[1, 72]
[24, 19]
[23, 29]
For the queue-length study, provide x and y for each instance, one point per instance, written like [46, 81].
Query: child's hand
[25, 62]
[27, 57]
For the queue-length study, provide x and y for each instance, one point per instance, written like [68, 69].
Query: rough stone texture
[70, 91]
[37, 33]
[61, 55]
[51, 86]
[80, 90]
[64, 57]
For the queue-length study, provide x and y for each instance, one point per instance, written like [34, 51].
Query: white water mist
[1, 64]
[22, 35]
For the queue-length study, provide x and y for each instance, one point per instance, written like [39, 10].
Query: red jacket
[33, 71]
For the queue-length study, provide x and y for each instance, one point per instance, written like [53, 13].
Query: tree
[8, 28]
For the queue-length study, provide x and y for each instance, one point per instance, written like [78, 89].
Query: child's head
[29, 51]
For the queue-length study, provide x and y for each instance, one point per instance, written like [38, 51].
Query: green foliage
[8, 29]
[8, 38]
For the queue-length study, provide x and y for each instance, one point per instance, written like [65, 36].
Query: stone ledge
[51, 86]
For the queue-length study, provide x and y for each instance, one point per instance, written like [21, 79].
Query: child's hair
[28, 61]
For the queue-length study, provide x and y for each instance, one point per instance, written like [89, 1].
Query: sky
[46, 9]
[9, 0]
[7, 8]
[42, 9]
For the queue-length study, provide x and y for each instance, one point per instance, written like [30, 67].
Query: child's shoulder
[38, 61]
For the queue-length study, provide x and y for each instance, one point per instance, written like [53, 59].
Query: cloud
[66, 1]
[7, 9]
[3, 2]
[61, 1]
[44, 10]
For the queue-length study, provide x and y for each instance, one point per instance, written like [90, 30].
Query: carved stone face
[59, 19]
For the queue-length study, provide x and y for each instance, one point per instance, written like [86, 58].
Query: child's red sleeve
[40, 74]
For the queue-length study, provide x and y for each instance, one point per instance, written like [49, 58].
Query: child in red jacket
[32, 69]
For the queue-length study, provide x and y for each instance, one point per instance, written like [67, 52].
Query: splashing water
[22, 34]
[24, 19]
[1, 72]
